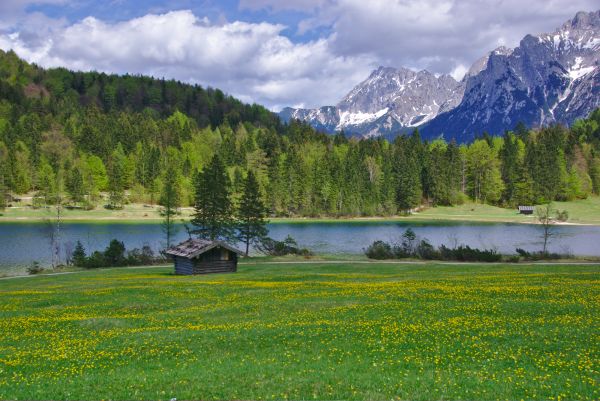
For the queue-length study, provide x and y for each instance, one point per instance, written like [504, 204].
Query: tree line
[89, 139]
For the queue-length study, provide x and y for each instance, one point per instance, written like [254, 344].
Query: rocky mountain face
[548, 78]
[388, 101]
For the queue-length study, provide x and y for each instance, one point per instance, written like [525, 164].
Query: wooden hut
[201, 256]
[526, 209]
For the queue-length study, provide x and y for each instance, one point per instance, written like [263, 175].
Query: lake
[22, 243]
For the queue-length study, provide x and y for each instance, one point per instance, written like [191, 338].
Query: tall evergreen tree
[213, 217]
[116, 178]
[251, 213]
[509, 157]
[3, 174]
[408, 190]
[78, 257]
[170, 200]
[74, 185]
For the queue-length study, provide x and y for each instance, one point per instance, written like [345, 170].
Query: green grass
[132, 213]
[585, 211]
[304, 331]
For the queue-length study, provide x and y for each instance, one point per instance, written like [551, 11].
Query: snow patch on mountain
[348, 118]
[548, 78]
[577, 71]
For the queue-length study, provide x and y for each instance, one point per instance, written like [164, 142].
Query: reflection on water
[20, 243]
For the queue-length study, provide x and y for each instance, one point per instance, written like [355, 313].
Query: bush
[114, 254]
[541, 255]
[288, 246]
[35, 268]
[562, 215]
[95, 260]
[426, 251]
[406, 249]
[379, 250]
[139, 257]
[78, 256]
[467, 254]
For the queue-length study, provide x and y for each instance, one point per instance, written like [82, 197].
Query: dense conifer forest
[92, 140]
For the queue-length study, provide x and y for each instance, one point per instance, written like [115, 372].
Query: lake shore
[326, 260]
[581, 212]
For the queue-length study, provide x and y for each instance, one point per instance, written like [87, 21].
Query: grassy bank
[304, 331]
[585, 211]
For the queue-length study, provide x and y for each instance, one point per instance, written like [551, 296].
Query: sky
[299, 53]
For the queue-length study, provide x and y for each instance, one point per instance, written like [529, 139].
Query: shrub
[562, 215]
[406, 249]
[465, 253]
[138, 257]
[288, 246]
[114, 255]
[426, 251]
[35, 268]
[95, 260]
[379, 250]
[78, 256]
[541, 255]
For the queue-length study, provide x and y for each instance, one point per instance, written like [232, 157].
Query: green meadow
[584, 211]
[356, 331]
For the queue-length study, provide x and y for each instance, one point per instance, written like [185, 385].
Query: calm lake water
[22, 243]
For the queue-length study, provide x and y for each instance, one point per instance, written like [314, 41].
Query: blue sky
[218, 11]
[274, 52]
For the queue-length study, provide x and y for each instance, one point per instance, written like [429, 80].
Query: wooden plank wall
[183, 265]
[186, 266]
[217, 266]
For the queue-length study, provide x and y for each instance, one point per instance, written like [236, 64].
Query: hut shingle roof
[197, 246]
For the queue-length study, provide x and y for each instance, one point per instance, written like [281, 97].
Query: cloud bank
[251, 61]
[258, 62]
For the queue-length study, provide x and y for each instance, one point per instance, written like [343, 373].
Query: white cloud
[13, 12]
[250, 60]
[459, 71]
[256, 62]
[439, 35]
[279, 5]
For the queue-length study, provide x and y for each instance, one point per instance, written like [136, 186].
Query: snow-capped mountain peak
[550, 77]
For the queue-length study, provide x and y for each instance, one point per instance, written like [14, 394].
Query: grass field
[304, 331]
[585, 211]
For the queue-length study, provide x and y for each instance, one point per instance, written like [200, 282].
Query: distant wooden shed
[526, 209]
[202, 256]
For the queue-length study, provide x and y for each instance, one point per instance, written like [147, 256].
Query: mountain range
[548, 78]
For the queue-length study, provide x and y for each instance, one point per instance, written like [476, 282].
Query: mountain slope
[548, 78]
[389, 100]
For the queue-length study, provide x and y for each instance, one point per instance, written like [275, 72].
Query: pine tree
[251, 213]
[74, 185]
[78, 256]
[212, 209]
[116, 178]
[408, 175]
[46, 183]
[170, 200]
[3, 175]
[509, 156]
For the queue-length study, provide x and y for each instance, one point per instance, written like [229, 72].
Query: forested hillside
[93, 140]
